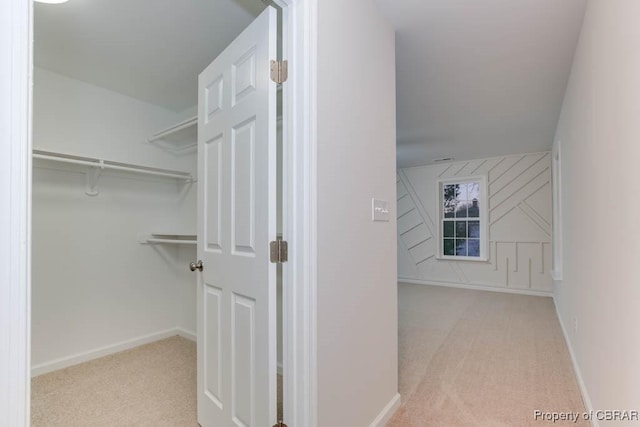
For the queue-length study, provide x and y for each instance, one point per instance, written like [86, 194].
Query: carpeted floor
[466, 358]
[473, 358]
[151, 385]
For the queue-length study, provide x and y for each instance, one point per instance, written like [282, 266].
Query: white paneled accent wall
[519, 224]
[95, 288]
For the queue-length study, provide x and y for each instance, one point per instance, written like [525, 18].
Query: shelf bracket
[92, 179]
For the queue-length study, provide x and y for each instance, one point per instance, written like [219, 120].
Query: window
[462, 219]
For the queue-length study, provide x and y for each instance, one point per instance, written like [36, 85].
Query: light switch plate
[380, 210]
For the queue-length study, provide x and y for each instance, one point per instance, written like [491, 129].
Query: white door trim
[15, 210]
[299, 180]
[16, 69]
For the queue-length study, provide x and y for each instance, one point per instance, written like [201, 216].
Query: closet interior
[115, 201]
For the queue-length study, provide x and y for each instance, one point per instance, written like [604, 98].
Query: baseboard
[576, 369]
[477, 287]
[387, 412]
[86, 356]
[191, 336]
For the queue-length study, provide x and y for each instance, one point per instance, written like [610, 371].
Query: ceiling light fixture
[51, 1]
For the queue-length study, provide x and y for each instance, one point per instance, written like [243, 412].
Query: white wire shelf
[108, 164]
[180, 137]
[167, 238]
[96, 166]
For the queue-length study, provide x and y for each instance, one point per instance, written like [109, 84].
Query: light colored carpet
[466, 358]
[150, 385]
[473, 358]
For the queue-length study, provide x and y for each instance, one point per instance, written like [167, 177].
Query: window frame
[484, 238]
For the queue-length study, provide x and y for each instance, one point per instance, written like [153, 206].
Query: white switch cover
[380, 210]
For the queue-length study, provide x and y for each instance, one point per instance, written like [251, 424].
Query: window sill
[463, 259]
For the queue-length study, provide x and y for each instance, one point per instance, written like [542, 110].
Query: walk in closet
[115, 187]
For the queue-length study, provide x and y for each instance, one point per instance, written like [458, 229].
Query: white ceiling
[475, 78]
[152, 50]
[480, 78]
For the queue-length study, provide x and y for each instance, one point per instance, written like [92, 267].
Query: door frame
[299, 179]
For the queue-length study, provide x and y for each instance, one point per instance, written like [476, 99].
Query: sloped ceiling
[152, 50]
[480, 78]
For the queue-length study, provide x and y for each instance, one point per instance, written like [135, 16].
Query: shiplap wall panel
[416, 236]
[405, 205]
[519, 223]
[406, 266]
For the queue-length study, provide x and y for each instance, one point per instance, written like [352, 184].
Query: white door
[237, 220]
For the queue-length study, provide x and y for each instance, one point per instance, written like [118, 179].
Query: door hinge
[278, 251]
[279, 71]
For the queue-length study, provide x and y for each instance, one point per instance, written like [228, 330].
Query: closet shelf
[179, 137]
[167, 238]
[96, 166]
[108, 164]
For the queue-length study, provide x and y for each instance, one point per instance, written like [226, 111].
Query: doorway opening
[115, 200]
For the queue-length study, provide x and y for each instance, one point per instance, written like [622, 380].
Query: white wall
[519, 224]
[94, 285]
[599, 130]
[356, 272]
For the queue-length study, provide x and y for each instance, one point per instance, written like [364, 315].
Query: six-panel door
[236, 221]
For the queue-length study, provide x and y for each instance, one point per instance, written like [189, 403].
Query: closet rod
[103, 164]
